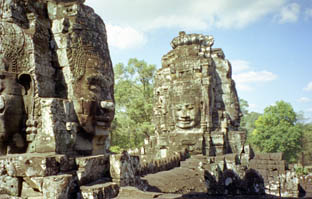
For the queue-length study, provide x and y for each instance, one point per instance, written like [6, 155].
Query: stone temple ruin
[196, 104]
[57, 105]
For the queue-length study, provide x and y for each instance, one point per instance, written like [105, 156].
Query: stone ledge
[35, 165]
[105, 190]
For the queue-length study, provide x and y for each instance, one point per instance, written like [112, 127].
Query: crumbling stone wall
[278, 180]
[196, 105]
[196, 109]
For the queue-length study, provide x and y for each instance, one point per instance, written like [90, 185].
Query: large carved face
[93, 96]
[11, 105]
[187, 114]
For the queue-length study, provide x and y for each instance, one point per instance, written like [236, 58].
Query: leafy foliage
[248, 119]
[306, 155]
[277, 131]
[134, 103]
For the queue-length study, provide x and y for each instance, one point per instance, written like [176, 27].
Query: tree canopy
[277, 131]
[134, 103]
[248, 119]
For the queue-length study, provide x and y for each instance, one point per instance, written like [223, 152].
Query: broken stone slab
[134, 193]
[276, 156]
[54, 136]
[6, 196]
[98, 191]
[237, 141]
[195, 162]
[35, 165]
[92, 168]
[10, 185]
[178, 180]
[150, 165]
[124, 168]
[29, 192]
[231, 158]
[34, 182]
[60, 186]
[29, 165]
[262, 156]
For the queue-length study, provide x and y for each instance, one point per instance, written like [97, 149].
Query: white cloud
[304, 100]
[309, 110]
[308, 87]
[239, 65]
[184, 22]
[289, 13]
[124, 37]
[255, 76]
[245, 76]
[189, 14]
[308, 13]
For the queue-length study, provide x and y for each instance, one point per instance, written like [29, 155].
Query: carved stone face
[187, 115]
[93, 97]
[11, 105]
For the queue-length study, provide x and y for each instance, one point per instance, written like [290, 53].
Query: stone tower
[56, 100]
[196, 105]
[57, 78]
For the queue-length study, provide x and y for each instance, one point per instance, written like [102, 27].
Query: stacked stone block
[278, 180]
[306, 185]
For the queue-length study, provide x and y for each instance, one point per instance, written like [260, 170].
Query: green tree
[248, 119]
[306, 154]
[134, 103]
[277, 131]
[243, 106]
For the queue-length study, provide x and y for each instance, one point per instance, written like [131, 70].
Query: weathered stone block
[10, 185]
[54, 136]
[219, 150]
[100, 191]
[92, 168]
[217, 138]
[262, 156]
[178, 180]
[61, 186]
[34, 182]
[30, 165]
[276, 156]
[124, 168]
[29, 192]
[237, 141]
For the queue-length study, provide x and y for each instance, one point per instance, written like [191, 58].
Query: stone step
[100, 190]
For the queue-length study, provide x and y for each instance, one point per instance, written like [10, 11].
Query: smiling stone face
[187, 115]
[93, 96]
[186, 108]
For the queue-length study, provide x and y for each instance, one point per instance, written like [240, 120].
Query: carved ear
[25, 80]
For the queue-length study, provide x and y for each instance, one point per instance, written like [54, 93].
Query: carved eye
[178, 108]
[93, 84]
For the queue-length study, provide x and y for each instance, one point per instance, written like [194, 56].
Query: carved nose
[185, 112]
[108, 105]
[2, 105]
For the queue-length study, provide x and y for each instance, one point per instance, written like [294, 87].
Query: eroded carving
[12, 114]
[196, 104]
[56, 71]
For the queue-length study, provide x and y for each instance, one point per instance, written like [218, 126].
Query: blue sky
[268, 42]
